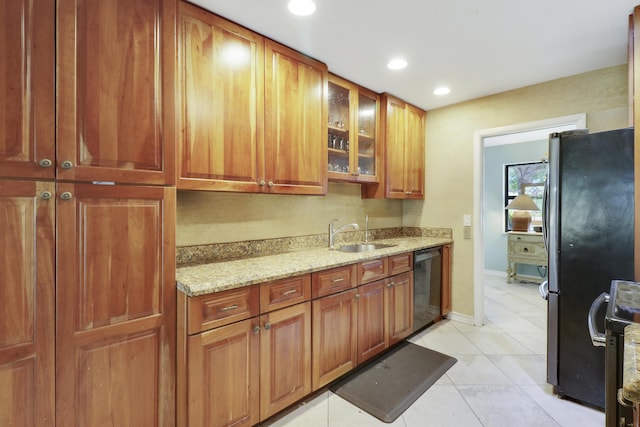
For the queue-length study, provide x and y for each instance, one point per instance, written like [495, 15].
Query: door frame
[520, 132]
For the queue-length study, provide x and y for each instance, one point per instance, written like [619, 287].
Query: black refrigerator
[589, 230]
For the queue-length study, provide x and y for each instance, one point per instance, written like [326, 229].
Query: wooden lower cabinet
[244, 372]
[400, 306]
[334, 337]
[27, 292]
[445, 304]
[285, 358]
[223, 376]
[372, 320]
[115, 313]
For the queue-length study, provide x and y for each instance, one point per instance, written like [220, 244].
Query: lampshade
[521, 219]
[522, 202]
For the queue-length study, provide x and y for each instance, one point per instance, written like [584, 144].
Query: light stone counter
[631, 369]
[220, 276]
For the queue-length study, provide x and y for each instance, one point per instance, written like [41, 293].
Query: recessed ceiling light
[441, 90]
[397, 64]
[302, 7]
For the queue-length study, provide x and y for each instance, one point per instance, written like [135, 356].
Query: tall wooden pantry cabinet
[87, 213]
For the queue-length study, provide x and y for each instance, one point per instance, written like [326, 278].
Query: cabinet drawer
[533, 238]
[375, 269]
[213, 310]
[334, 280]
[284, 292]
[527, 250]
[400, 263]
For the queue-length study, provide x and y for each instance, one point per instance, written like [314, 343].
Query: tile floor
[499, 379]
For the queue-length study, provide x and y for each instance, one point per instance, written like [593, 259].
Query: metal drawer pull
[340, 279]
[231, 307]
[525, 249]
[289, 292]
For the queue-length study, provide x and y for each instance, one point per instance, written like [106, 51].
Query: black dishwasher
[427, 271]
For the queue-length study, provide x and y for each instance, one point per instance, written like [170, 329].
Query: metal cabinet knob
[391, 284]
[408, 192]
[46, 163]
[66, 196]
[46, 195]
[256, 330]
[267, 326]
[270, 184]
[67, 164]
[262, 183]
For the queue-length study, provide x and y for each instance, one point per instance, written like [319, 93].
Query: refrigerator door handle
[544, 290]
[545, 216]
[597, 338]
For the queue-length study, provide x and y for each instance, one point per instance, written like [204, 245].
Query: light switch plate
[466, 219]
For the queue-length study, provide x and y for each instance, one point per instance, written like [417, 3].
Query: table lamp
[521, 217]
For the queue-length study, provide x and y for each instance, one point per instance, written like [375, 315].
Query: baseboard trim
[463, 318]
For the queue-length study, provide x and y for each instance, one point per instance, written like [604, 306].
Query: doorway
[508, 135]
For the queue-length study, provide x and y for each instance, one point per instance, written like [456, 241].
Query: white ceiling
[477, 47]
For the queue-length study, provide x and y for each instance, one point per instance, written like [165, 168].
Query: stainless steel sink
[364, 247]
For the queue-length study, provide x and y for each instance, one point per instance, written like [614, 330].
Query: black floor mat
[386, 387]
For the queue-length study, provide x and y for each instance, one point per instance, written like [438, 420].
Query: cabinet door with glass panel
[352, 135]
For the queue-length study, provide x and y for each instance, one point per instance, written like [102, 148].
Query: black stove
[623, 308]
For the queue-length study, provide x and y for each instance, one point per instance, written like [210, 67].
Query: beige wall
[450, 132]
[209, 217]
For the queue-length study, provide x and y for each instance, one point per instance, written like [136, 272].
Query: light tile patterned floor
[498, 381]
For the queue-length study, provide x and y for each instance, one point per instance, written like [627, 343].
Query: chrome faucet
[333, 232]
[366, 229]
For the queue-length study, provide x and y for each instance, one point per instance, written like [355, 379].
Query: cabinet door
[394, 116]
[221, 75]
[224, 378]
[27, 323]
[295, 122]
[446, 281]
[369, 151]
[26, 88]
[285, 355]
[115, 329]
[115, 82]
[372, 320]
[400, 300]
[414, 153]
[334, 337]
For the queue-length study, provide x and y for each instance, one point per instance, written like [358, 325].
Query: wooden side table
[524, 248]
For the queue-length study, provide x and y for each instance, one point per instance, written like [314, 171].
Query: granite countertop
[631, 368]
[220, 276]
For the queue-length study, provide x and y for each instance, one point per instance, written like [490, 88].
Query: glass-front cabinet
[352, 135]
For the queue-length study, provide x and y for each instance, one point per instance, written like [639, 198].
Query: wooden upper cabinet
[115, 82]
[295, 122]
[352, 136]
[27, 93]
[404, 159]
[116, 302]
[221, 105]
[27, 292]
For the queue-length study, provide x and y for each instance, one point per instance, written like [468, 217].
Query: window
[524, 178]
